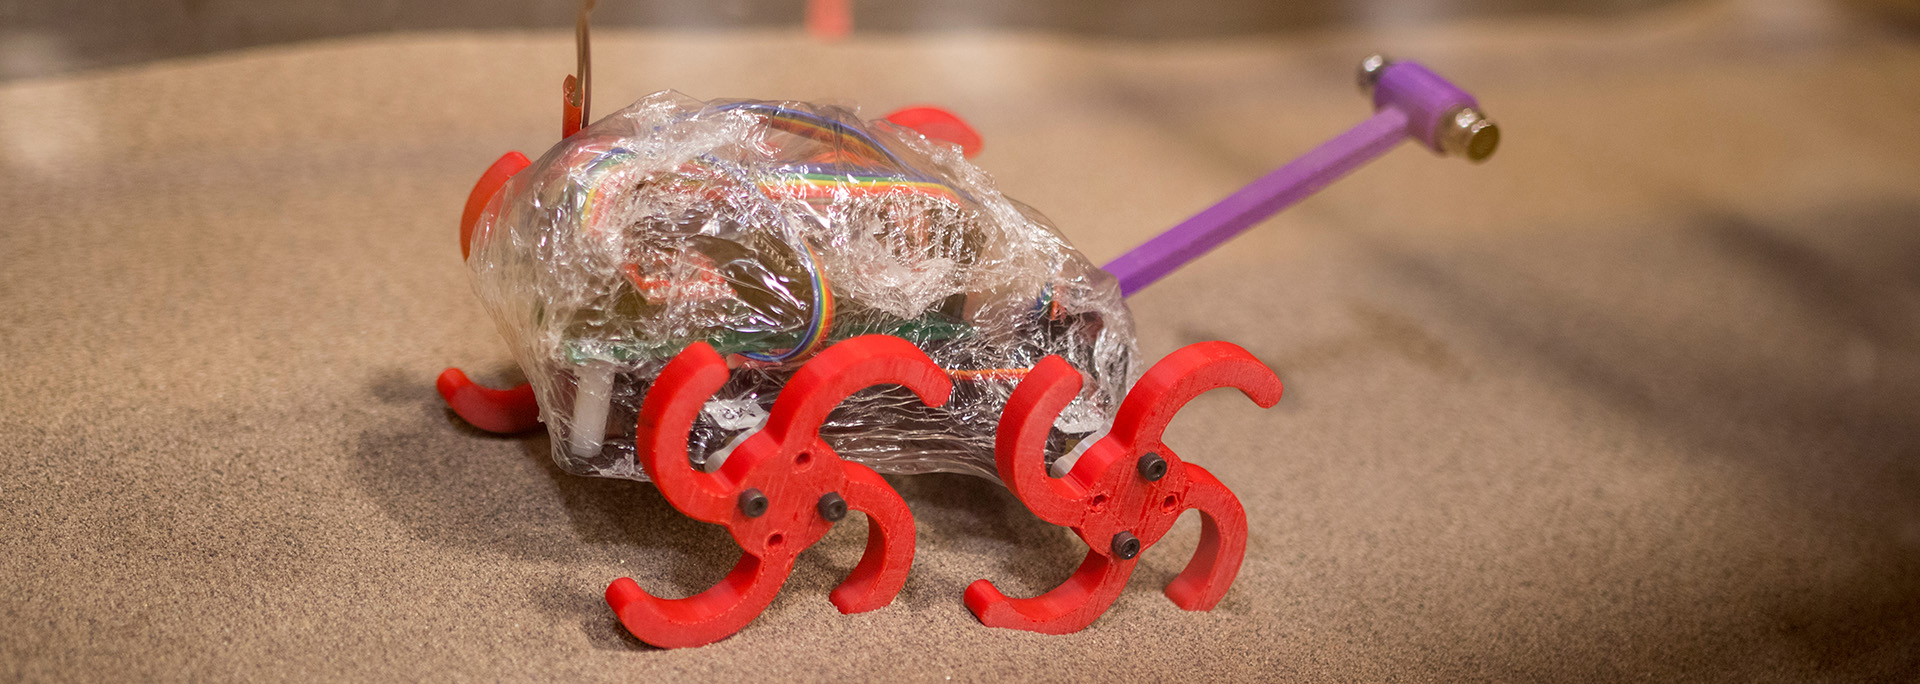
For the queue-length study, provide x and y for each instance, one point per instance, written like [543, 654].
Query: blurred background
[45, 37]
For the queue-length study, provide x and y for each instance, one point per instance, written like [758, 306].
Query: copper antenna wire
[583, 91]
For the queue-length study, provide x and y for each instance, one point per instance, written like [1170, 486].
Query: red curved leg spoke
[940, 124]
[850, 366]
[882, 570]
[666, 416]
[703, 618]
[1068, 608]
[483, 191]
[501, 411]
[1223, 543]
[505, 411]
[1187, 373]
[1021, 441]
[814, 391]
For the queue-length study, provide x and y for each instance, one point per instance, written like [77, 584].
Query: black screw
[1126, 546]
[1152, 467]
[832, 507]
[753, 503]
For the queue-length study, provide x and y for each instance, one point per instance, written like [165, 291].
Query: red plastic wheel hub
[769, 492]
[1126, 491]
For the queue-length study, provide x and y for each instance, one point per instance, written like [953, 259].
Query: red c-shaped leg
[882, 570]
[1020, 443]
[503, 411]
[705, 617]
[942, 125]
[1125, 492]
[483, 191]
[1223, 543]
[779, 492]
[506, 412]
[1065, 609]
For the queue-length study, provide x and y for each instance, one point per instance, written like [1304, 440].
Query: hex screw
[1152, 467]
[753, 503]
[832, 507]
[1126, 546]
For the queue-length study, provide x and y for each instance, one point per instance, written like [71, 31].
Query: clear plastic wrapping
[771, 230]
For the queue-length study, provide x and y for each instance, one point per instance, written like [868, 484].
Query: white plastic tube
[591, 399]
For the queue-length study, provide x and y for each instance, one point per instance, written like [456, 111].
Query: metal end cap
[1468, 133]
[1369, 73]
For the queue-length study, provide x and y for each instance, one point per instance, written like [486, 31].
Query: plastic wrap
[771, 230]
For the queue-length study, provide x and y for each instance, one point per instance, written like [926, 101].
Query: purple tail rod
[1409, 101]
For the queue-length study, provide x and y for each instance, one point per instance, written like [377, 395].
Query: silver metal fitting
[1465, 132]
[1369, 73]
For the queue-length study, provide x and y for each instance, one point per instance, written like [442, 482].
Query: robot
[761, 307]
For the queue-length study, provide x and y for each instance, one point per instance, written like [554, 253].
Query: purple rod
[1410, 102]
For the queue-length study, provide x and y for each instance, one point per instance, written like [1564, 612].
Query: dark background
[45, 37]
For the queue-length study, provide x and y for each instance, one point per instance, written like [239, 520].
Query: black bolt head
[832, 507]
[753, 503]
[1152, 467]
[1126, 546]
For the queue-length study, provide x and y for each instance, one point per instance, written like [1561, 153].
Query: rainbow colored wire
[860, 166]
[812, 186]
[818, 325]
[825, 130]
